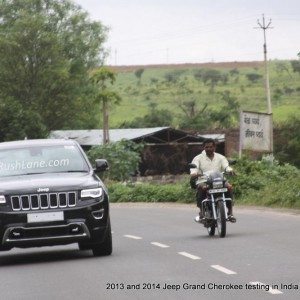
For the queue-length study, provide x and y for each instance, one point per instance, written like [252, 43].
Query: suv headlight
[2, 199]
[92, 193]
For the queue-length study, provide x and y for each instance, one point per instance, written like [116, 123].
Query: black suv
[51, 195]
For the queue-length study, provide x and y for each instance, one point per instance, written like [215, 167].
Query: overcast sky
[193, 31]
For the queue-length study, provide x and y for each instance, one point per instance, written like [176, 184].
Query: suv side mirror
[101, 165]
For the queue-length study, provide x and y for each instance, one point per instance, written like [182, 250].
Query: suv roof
[40, 142]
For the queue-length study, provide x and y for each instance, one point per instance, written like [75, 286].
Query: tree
[234, 72]
[253, 77]
[173, 76]
[154, 118]
[21, 123]
[102, 79]
[198, 74]
[138, 73]
[200, 121]
[296, 66]
[188, 107]
[47, 48]
[228, 112]
[212, 77]
[207, 118]
[282, 66]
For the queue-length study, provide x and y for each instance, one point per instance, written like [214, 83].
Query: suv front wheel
[105, 247]
[100, 249]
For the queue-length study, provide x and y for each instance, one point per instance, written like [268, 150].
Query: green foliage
[253, 77]
[264, 183]
[281, 67]
[123, 158]
[234, 72]
[155, 117]
[173, 76]
[16, 124]
[138, 73]
[146, 192]
[228, 113]
[257, 183]
[224, 117]
[296, 66]
[287, 142]
[211, 77]
[102, 79]
[46, 51]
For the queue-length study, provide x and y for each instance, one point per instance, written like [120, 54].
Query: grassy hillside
[167, 86]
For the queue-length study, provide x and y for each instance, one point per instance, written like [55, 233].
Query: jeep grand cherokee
[51, 195]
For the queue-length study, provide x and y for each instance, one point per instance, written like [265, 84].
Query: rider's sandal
[231, 219]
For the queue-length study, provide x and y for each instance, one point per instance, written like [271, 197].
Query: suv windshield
[41, 159]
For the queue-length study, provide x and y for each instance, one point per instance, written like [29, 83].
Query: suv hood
[55, 182]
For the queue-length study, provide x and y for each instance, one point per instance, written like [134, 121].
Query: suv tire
[105, 247]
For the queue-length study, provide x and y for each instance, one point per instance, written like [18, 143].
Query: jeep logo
[40, 190]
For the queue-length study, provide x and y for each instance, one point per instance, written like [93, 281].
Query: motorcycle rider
[209, 160]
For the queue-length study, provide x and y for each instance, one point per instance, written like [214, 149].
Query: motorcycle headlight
[217, 184]
[92, 193]
[2, 199]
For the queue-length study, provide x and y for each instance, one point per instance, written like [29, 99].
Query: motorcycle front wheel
[211, 230]
[221, 220]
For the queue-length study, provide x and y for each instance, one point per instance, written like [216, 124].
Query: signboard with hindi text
[256, 131]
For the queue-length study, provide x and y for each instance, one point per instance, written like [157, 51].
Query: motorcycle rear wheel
[221, 220]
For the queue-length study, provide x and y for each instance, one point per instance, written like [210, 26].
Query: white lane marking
[160, 245]
[262, 285]
[189, 255]
[222, 269]
[133, 237]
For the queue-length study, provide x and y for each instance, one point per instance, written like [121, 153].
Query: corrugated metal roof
[93, 137]
[220, 137]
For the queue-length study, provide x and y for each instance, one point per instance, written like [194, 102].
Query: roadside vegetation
[258, 183]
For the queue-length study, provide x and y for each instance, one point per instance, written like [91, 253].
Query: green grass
[282, 112]
[153, 88]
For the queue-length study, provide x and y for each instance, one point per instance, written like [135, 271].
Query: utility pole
[105, 123]
[167, 55]
[116, 51]
[264, 27]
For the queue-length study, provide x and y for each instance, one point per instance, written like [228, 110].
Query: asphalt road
[160, 252]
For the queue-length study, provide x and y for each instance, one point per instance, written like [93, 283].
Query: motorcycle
[214, 205]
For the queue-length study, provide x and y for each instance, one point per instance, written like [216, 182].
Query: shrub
[253, 77]
[263, 183]
[256, 183]
[123, 158]
[147, 192]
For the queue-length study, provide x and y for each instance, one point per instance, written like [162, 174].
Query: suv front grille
[43, 201]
